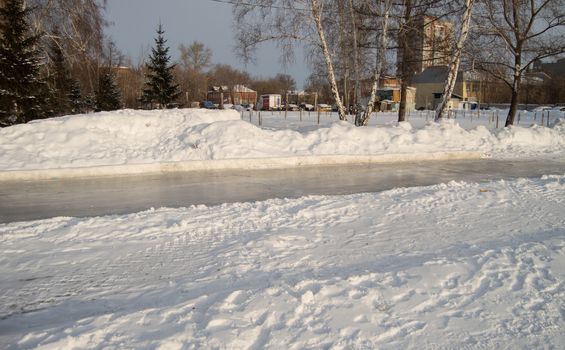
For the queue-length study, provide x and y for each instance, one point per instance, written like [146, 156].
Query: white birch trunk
[317, 17]
[455, 61]
[381, 56]
[355, 54]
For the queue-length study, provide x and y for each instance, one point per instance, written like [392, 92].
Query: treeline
[55, 60]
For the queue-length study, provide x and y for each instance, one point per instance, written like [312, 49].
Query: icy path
[453, 265]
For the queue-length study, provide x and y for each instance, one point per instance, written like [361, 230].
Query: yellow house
[429, 88]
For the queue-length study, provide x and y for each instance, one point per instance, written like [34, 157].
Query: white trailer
[271, 102]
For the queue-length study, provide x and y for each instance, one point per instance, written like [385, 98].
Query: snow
[456, 265]
[131, 138]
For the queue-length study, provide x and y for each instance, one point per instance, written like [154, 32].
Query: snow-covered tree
[22, 91]
[107, 95]
[160, 87]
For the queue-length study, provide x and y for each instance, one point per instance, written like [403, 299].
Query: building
[430, 43]
[556, 70]
[243, 95]
[238, 95]
[389, 95]
[430, 83]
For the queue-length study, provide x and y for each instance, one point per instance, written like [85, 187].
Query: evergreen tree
[107, 96]
[23, 94]
[78, 104]
[160, 87]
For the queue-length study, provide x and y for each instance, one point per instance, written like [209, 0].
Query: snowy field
[451, 266]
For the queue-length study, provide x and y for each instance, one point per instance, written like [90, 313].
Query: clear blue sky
[133, 24]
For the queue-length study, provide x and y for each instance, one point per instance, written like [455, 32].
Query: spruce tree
[107, 96]
[160, 87]
[23, 94]
[78, 104]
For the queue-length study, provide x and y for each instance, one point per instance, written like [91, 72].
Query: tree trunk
[455, 61]
[516, 84]
[317, 16]
[406, 64]
[402, 105]
[381, 57]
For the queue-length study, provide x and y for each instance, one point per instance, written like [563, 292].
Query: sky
[133, 24]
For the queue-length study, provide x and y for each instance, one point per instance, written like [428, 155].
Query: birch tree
[455, 59]
[382, 13]
[77, 27]
[287, 22]
[517, 33]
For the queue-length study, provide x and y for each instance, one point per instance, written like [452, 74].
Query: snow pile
[457, 265]
[136, 137]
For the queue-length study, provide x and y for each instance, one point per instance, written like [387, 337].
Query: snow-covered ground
[456, 265]
[131, 137]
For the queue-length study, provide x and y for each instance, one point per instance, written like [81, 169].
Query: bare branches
[530, 30]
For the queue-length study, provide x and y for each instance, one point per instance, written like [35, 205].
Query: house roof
[242, 88]
[435, 75]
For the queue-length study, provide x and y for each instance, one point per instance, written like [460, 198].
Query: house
[430, 83]
[389, 95]
[238, 94]
[243, 95]
[218, 93]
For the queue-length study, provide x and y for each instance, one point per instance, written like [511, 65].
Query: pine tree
[23, 94]
[160, 87]
[107, 96]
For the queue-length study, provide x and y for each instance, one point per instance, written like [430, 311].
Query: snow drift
[140, 137]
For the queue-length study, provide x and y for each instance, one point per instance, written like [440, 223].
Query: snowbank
[131, 137]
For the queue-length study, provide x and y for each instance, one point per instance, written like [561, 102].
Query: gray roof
[555, 69]
[434, 75]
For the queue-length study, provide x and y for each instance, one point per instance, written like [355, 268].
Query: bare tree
[194, 60]
[76, 26]
[287, 22]
[455, 59]
[196, 56]
[515, 34]
[380, 10]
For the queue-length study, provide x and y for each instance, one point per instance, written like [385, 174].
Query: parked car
[541, 109]
[291, 107]
[242, 107]
[306, 106]
[208, 105]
